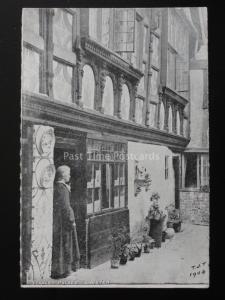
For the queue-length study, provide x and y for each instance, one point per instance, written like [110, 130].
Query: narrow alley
[182, 260]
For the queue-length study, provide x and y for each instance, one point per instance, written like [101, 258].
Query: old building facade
[109, 92]
[194, 195]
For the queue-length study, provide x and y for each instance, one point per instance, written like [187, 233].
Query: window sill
[192, 190]
[106, 211]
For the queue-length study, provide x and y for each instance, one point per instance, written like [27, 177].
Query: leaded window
[106, 175]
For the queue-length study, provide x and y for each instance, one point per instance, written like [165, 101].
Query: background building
[98, 85]
[195, 179]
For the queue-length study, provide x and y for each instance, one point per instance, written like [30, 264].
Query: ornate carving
[134, 96]
[110, 57]
[42, 202]
[79, 71]
[121, 81]
[102, 79]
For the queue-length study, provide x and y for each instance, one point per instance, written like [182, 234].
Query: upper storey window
[111, 27]
[177, 55]
[33, 46]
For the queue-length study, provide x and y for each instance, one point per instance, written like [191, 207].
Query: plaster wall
[151, 157]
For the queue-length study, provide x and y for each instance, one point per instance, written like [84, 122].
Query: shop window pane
[97, 201]
[106, 185]
[90, 177]
[89, 201]
[122, 196]
[97, 170]
[62, 81]
[191, 170]
[116, 197]
[122, 174]
[116, 175]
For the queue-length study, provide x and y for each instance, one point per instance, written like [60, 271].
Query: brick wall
[194, 207]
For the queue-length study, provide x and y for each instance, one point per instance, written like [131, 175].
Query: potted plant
[119, 238]
[174, 219]
[131, 252]
[124, 255]
[138, 249]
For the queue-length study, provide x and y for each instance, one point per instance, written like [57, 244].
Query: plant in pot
[138, 249]
[124, 255]
[174, 219]
[131, 252]
[119, 238]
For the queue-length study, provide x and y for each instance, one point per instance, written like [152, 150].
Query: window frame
[167, 46]
[199, 171]
[112, 163]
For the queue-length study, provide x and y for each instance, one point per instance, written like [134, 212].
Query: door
[176, 167]
[71, 152]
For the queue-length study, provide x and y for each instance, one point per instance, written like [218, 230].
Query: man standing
[64, 225]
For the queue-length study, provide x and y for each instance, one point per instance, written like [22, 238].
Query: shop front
[97, 149]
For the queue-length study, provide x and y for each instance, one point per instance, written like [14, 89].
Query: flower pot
[123, 260]
[115, 263]
[170, 233]
[131, 255]
[138, 254]
[177, 227]
[163, 236]
[152, 244]
[146, 248]
[169, 224]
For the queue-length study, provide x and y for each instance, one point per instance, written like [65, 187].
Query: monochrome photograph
[114, 148]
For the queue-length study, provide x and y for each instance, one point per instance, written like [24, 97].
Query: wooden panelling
[100, 256]
[100, 234]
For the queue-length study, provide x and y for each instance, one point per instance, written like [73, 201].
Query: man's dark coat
[63, 218]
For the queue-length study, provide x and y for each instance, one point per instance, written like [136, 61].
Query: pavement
[183, 260]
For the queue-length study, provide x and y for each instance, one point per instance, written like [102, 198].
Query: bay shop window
[106, 176]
